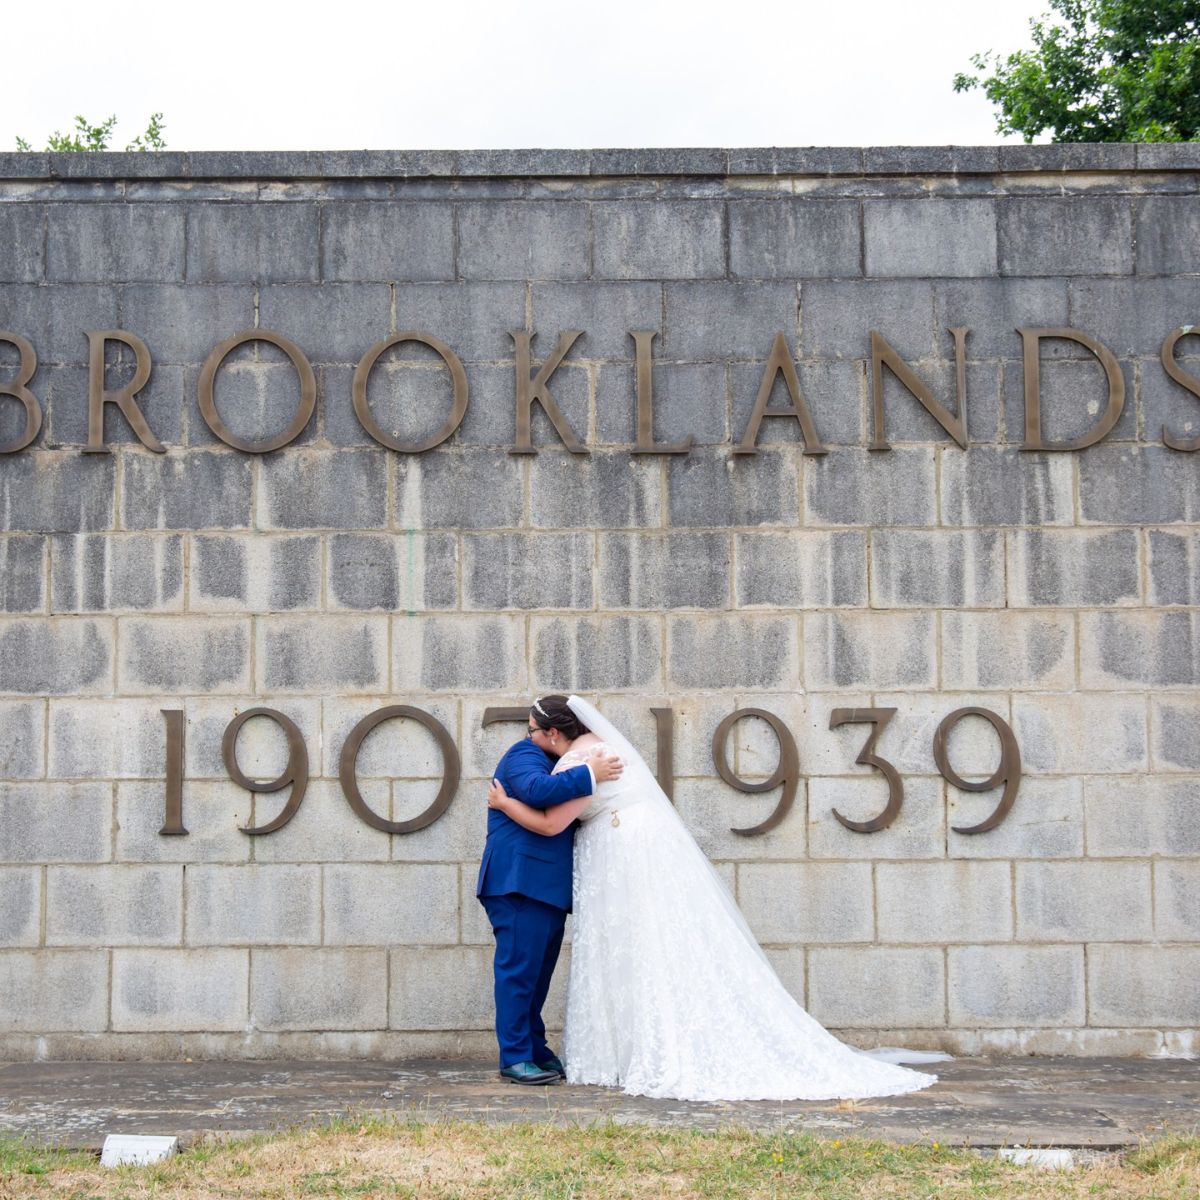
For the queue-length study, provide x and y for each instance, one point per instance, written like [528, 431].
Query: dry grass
[366, 1157]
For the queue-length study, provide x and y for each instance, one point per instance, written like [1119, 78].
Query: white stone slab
[138, 1149]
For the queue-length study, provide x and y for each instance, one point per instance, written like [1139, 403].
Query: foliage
[1113, 71]
[87, 136]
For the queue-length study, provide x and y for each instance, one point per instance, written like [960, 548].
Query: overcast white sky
[456, 74]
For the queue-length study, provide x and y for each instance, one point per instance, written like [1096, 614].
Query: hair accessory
[541, 710]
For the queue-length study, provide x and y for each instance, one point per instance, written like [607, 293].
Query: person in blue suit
[525, 885]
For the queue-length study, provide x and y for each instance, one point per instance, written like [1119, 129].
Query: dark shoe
[552, 1064]
[528, 1072]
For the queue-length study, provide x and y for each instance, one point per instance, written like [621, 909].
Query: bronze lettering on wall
[295, 773]
[535, 388]
[878, 719]
[17, 389]
[781, 363]
[123, 398]
[787, 770]
[1008, 772]
[1032, 342]
[883, 355]
[646, 444]
[1181, 377]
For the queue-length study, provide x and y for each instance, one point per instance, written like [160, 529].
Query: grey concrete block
[22, 739]
[906, 418]
[261, 241]
[1141, 817]
[719, 321]
[443, 490]
[332, 323]
[855, 487]
[107, 739]
[114, 243]
[936, 569]
[114, 905]
[993, 310]
[677, 570]
[212, 815]
[794, 237]
[62, 656]
[318, 989]
[200, 490]
[581, 654]
[834, 391]
[1168, 235]
[20, 906]
[1006, 986]
[1173, 567]
[801, 569]
[372, 240]
[183, 654]
[47, 492]
[162, 402]
[807, 160]
[44, 823]
[491, 417]
[1169, 410]
[862, 650]
[1175, 732]
[1008, 650]
[1046, 820]
[46, 990]
[1176, 901]
[474, 319]
[524, 240]
[919, 831]
[607, 491]
[929, 237]
[1006, 487]
[249, 904]
[711, 810]
[907, 743]
[399, 749]
[338, 489]
[732, 651]
[819, 903]
[22, 574]
[462, 653]
[659, 239]
[1074, 396]
[1151, 648]
[606, 312]
[255, 573]
[409, 394]
[261, 744]
[257, 394]
[22, 236]
[1136, 485]
[1143, 986]
[1075, 236]
[183, 323]
[944, 902]
[1132, 317]
[836, 318]
[54, 317]
[844, 988]
[301, 654]
[1082, 733]
[445, 987]
[527, 570]
[1073, 567]
[1083, 901]
[394, 903]
[102, 572]
[324, 829]
[689, 401]
[412, 571]
[717, 488]
[180, 990]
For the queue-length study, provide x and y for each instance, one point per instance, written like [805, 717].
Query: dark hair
[551, 712]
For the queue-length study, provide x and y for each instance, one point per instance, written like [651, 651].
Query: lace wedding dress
[670, 994]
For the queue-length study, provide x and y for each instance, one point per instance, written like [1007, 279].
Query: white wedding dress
[669, 993]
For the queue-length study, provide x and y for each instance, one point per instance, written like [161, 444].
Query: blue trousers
[529, 935]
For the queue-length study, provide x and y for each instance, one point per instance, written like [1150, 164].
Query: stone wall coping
[407, 164]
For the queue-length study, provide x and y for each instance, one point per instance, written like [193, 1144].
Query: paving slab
[1096, 1103]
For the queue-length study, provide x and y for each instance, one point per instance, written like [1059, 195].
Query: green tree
[1112, 71]
[96, 137]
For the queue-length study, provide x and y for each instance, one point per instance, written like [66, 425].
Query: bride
[669, 993]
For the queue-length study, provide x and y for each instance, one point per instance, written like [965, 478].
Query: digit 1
[173, 816]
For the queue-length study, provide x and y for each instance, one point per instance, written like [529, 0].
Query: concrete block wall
[333, 577]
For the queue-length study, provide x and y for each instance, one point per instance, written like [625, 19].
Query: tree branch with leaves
[88, 137]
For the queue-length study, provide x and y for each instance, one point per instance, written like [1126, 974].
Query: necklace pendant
[616, 820]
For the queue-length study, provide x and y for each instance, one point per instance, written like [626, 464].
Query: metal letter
[787, 772]
[349, 776]
[295, 773]
[646, 444]
[123, 398]
[878, 718]
[529, 390]
[664, 723]
[458, 378]
[18, 390]
[781, 362]
[1032, 339]
[173, 816]
[882, 353]
[1172, 368]
[1008, 772]
[208, 404]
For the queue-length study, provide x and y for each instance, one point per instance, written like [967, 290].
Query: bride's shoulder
[583, 748]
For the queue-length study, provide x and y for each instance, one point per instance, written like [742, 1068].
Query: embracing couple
[669, 993]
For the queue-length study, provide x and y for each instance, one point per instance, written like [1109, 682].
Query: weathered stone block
[854, 487]
[524, 240]
[114, 905]
[1083, 901]
[929, 237]
[801, 569]
[733, 652]
[301, 654]
[1073, 567]
[63, 656]
[689, 401]
[445, 987]
[608, 491]
[397, 903]
[212, 814]
[835, 393]
[712, 810]
[183, 323]
[491, 417]
[527, 570]
[1143, 986]
[411, 572]
[1081, 733]
[794, 238]
[260, 905]
[1152, 648]
[1074, 396]
[183, 654]
[43, 823]
[474, 319]
[1137, 485]
[1008, 650]
[1142, 816]
[309, 489]
[836, 318]
[22, 739]
[254, 574]
[200, 490]
[659, 239]
[114, 243]
[20, 906]
[22, 236]
[1168, 410]
[371, 240]
[1176, 900]
[936, 569]
[47, 492]
[106, 739]
[1077, 236]
[919, 831]
[1006, 487]
[993, 310]
[944, 902]
[807, 902]
[1173, 567]
[1131, 317]
[1168, 235]
[102, 572]
[22, 574]
[1046, 821]
[716, 488]
[1006, 986]
[46, 990]
[581, 654]
[460, 653]
[54, 317]
[180, 990]
[677, 570]
[318, 989]
[892, 650]
[706, 321]
[399, 749]
[606, 312]
[262, 241]
[257, 394]
[161, 401]
[332, 323]
[907, 742]
[844, 989]
[261, 744]
[1175, 732]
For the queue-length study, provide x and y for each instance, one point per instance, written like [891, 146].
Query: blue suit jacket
[516, 861]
